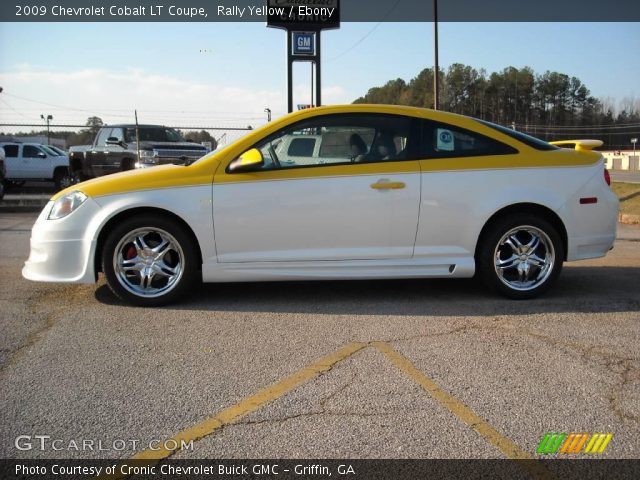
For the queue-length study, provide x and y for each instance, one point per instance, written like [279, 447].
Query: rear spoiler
[579, 144]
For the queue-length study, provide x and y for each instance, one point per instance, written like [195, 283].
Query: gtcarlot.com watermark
[45, 443]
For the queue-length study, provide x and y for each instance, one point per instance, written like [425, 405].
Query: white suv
[33, 161]
[3, 173]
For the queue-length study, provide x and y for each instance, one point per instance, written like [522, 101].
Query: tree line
[550, 105]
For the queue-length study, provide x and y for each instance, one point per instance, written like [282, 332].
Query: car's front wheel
[150, 260]
[520, 256]
[62, 178]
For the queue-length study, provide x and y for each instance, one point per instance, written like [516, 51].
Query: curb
[629, 219]
[29, 205]
[12, 208]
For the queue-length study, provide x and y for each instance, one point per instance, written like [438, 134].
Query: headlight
[148, 156]
[66, 204]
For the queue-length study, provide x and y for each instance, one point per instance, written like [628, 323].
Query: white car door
[340, 205]
[13, 161]
[36, 162]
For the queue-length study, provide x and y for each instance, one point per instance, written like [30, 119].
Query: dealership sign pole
[303, 20]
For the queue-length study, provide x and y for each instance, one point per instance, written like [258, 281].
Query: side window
[105, 133]
[117, 133]
[29, 151]
[339, 139]
[302, 147]
[130, 134]
[440, 140]
[11, 151]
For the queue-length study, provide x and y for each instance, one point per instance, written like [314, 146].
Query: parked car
[33, 161]
[59, 151]
[115, 149]
[372, 191]
[3, 173]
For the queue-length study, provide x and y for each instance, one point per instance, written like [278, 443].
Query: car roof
[24, 143]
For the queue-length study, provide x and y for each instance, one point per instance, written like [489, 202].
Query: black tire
[2, 189]
[519, 279]
[62, 178]
[183, 253]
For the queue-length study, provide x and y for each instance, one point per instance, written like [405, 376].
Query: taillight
[607, 177]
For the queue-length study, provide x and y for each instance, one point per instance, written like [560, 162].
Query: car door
[36, 162]
[330, 207]
[98, 153]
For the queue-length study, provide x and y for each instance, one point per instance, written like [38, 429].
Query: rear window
[528, 140]
[440, 140]
[11, 150]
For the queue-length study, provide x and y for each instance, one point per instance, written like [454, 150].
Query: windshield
[153, 134]
[50, 151]
[59, 151]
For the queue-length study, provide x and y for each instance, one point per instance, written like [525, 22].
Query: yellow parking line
[464, 413]
[269, 394]
[252, 403]
[244, 408]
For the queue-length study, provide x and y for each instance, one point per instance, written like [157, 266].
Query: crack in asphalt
[324, 411]
[622, 367]
[50, 316]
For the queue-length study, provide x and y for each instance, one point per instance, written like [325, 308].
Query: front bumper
[63, 250]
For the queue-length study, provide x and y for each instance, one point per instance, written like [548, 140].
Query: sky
[226, 74]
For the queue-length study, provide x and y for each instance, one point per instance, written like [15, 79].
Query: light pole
[268, 112]
[47, 119]
[436, 69]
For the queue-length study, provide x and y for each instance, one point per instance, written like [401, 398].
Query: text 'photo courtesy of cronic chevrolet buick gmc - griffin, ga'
[340, 193]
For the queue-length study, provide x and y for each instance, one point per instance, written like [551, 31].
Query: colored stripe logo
[573, 443]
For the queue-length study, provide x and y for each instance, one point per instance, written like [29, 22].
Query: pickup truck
[33, 161]
[115, 149]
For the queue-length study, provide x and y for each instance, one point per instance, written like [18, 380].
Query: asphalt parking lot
[384, 369]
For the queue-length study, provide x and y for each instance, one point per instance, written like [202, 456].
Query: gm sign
[304, 43]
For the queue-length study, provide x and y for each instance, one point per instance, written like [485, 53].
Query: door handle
[385, 184]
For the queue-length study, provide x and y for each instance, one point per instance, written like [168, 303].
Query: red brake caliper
[131, 253]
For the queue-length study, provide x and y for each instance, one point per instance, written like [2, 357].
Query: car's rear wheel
[149, 261]
[520, 256]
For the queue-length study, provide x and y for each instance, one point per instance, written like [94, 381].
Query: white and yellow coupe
[339, 192]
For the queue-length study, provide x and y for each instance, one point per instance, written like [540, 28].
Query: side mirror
[113, 141]
[42, 155]
[249, 160]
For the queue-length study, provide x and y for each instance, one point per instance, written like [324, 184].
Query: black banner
[305, 11]
[565, 469]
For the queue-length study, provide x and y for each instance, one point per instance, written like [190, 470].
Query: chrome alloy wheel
[148, 262]
[524, 258]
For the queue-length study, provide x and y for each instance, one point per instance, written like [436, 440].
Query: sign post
[634, 141]
[303, 20]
